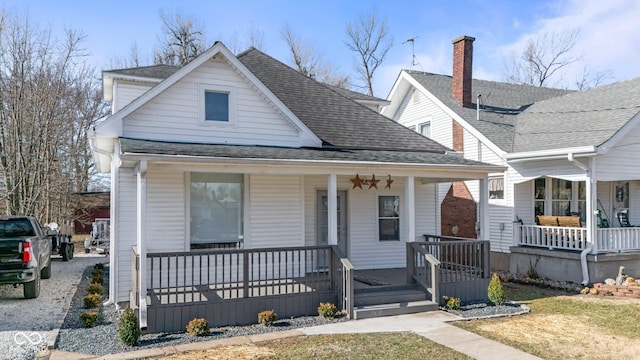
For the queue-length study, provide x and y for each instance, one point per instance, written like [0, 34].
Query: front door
[322, 232]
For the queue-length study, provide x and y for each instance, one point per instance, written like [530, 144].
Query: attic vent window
[217, 105]
[416, 97]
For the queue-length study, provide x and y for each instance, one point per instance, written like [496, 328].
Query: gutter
[583, 254]
[551, 154]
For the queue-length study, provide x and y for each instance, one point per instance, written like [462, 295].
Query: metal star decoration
[389, 182]
[373, 183]
[357, 182]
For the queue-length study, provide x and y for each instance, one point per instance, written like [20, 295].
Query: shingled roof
[499, 105]
[152, 71]
[587, 118]
[334, 118]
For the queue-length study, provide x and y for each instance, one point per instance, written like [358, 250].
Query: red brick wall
[458, 137]
[619, 290]
[462, 69]
[458, 209]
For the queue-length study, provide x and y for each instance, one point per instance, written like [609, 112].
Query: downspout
[583, 254]
[112, 282]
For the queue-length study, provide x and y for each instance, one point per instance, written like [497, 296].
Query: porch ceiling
[438, 165]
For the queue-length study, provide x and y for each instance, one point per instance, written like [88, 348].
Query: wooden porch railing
[618, 239]
[551, 237]
[423, 269]
[462, 258]
[343, 280]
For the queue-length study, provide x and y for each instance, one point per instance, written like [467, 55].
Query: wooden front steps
[390, 300]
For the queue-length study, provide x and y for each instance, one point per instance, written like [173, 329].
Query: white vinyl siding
[413, 114]
[614, 165]
[173, 115]
[127, 91]
[166, 211]
[276, 211]
[125, 229]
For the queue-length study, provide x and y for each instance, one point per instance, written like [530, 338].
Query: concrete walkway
[432, 325]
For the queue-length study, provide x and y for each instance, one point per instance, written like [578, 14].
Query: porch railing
[344, 273]
[461, 258]
[214, 275]
[423, 269]
[620, 239]
[551, 237]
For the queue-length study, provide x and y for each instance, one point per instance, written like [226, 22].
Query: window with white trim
[559, 197]
[425, 129]
[217, 104]
[496, 188]
[216, 210]
[388, 218]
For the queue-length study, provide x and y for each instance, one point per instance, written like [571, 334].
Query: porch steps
[389, 301]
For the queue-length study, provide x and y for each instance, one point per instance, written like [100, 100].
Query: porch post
[141, 234]
[410, 208]
[483, 209]
[332, 209]
[592, 198]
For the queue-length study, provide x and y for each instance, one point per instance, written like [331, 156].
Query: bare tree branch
[181, 41]
[368, 37]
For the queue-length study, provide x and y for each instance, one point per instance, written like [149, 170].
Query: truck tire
[45, 273]
[64, 251]
[32, 288]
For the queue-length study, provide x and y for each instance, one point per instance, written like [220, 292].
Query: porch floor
[380, 278]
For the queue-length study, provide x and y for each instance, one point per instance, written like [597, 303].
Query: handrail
[427, 277]
[344, 281]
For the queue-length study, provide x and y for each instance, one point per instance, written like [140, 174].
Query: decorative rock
[593, 291]
[609, 281]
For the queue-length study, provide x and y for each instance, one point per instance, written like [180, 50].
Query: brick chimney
[462, 66]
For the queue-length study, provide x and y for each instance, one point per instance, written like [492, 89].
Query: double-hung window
[388, 218]
[216, 210]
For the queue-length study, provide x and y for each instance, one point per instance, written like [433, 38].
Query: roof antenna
[413, 53]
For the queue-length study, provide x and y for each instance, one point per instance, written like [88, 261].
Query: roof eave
[550, 154]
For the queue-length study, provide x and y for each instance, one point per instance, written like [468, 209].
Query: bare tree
[369, 38]
[308, 61]
[588, 79]
[181, 41]
[134, 59]
[255, 37]
[48, 103]
[542, 58]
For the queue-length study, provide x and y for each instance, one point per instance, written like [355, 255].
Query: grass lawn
[566, 327]
[319, 347]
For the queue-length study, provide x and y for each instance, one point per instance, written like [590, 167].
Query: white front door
[322, 229]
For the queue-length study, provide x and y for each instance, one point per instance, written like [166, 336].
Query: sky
[607, 39]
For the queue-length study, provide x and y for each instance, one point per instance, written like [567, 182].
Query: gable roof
[500, 103]
[334, 118]
[588, 118]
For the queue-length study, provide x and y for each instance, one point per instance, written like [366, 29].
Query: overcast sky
[608, 38]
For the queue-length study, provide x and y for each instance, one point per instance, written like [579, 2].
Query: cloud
[607, 39]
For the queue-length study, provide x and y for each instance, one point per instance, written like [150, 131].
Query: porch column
[332, 209]
[410, 208]
[141, 234]
[483, 209]
[592, 198]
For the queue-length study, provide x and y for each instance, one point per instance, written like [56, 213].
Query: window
[416, 97]
[216, 106]
[388, 218]
[560, 197]
[425, 129]
[496, 188]
[540, 195]
[216, 210]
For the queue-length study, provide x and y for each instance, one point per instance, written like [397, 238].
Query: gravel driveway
[27, 325]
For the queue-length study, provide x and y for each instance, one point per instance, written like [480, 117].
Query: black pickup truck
[25, 253]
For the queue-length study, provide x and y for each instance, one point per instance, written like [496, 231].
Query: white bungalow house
[566, 153]
[240, 185]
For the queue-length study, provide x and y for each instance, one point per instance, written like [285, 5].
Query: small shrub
[128, 329]
[496, 291]
[92, 301]
[97, 279]
[198, 327]
[97, 272]
[95, 288]
[327, 310]
[89, 318]
[451, 303]
[99, 266]
[267, 317]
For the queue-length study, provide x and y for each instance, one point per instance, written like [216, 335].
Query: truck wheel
[32, 288]
[64, 250]
[45, 273]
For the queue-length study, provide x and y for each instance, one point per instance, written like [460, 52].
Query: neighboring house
[89, 206]
[240, 185]
[550, 140]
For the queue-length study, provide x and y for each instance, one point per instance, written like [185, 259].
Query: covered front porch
[230, 286]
